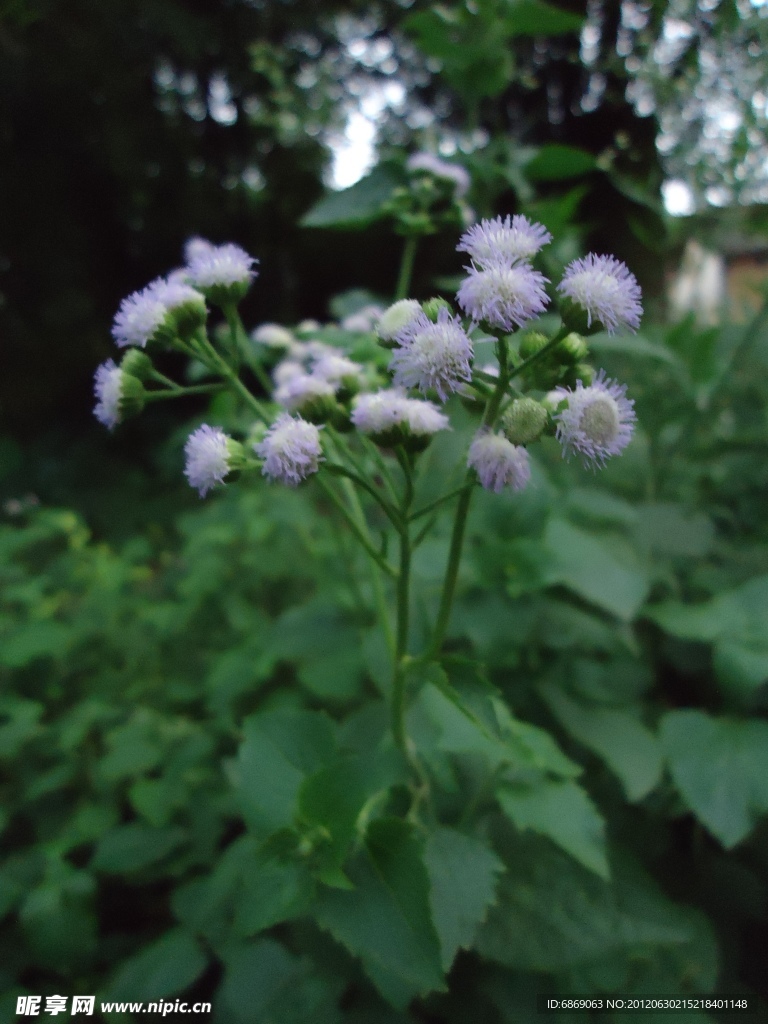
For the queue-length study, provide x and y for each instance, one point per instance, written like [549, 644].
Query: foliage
[200, 796]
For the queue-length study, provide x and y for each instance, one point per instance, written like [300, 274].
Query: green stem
[182, 392]
[435, 504]
[526, 363]
[403, 610]
[241, 347]
[391, 513]
[355, 527]
[462, 510]
[406, 267]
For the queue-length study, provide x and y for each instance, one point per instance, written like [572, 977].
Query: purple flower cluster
[432, 356]
[502, 288]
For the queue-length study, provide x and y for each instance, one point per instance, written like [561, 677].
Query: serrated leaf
[627, 746]
[279, 749]
[161, 969]
[265, 983]
[386, 921]
[564, 813]
[463, 872]
[359, 205]
[606, 574]
[720, 767]
[551, 914]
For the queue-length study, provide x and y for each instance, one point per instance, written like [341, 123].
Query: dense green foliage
[200, 796]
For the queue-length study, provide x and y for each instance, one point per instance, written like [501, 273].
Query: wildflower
[286, 371]
[441, 169]
[502, 295]
[117, 393]
[311, 396]
[391, 419]
[342, 373]
[185, 306]
[196, 247]
[363, 320]
[273, 336]
[498, 463]
[139, 318]
[223, 273]
[432, 355]
[605, 289]
[290, 449]
[509, 241]
[394, 319]
[597, 421]
[208, 460]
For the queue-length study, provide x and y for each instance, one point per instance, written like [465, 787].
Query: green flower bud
[432, 308]
[137, 364]
[524, 420]
[531, 343]
[131, 396]
[573, 348]
[575, 318]
[187, 318]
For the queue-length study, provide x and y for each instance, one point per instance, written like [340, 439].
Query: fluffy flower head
[139, 317]
[441, 169]
[108, 386]
[363, 320]
[386, 410]
[273, 336]
[290, 449]
[498, 463]
[503, 295]
[605, 289]
[303, 388]
[396, 317]
[195, 247]
[432, 355]
[218, 265]
[207, 458]
[507, 241]
[597, 422]
[336, 369]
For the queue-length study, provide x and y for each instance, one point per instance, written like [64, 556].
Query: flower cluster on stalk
[316, 384]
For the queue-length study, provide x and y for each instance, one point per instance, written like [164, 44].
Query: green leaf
[279, 749]
[333, 797]
[161, 969]
[357, 206]
[22, 724]
[386, 920]
[671, 529]
[551, 914]
[563, 812]
[34, 640]
[607, 574]
[555, 162]
[633, 345]
[738, 614]
[265, 983]
[742, 668]
[720, 767]
[535, 18]
[488, 729]
[463, 873]
[627, 746]
[134, 846]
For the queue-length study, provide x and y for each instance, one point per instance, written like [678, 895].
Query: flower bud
[131, 396]
[137, 364]
[394, 319]
[432, 308]
[573, 348]
[524, 421]
[531, 343]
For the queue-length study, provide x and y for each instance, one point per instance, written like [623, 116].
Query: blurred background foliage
[624, 614]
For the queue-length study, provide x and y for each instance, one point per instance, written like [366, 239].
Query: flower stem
[462, 510]
[403, 610]
[354, 526]
[406, 267]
